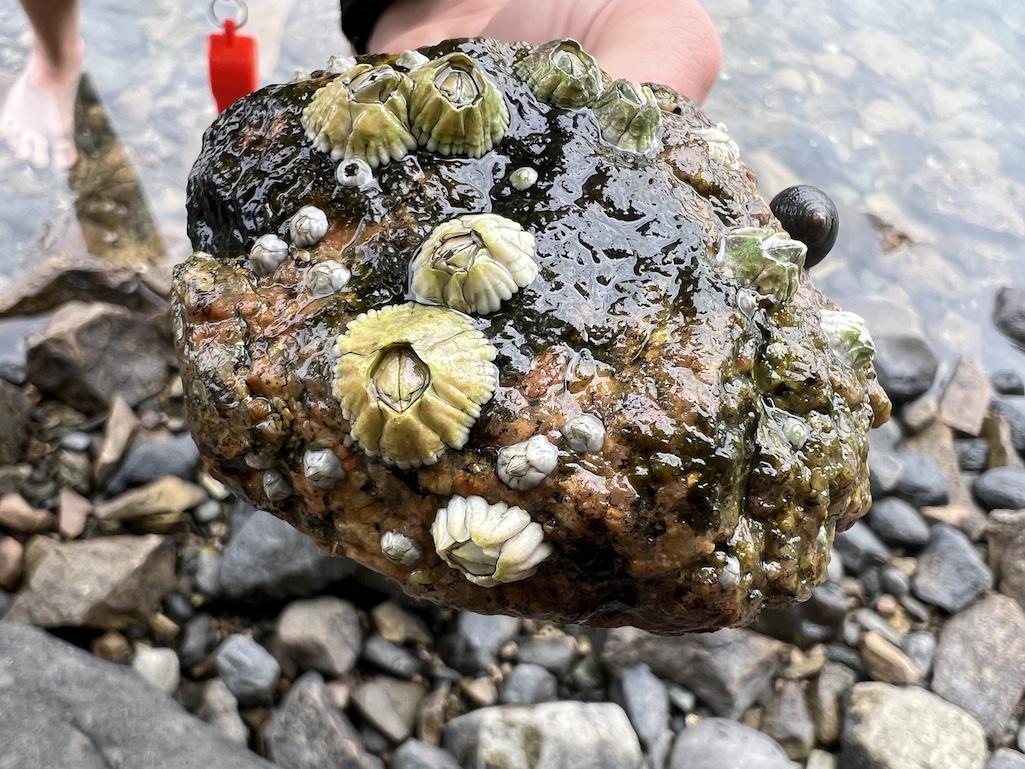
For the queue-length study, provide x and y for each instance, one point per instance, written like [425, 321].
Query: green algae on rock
[666, 404]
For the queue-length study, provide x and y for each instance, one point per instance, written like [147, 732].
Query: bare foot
[38, 116]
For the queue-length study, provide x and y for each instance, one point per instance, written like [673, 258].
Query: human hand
[672, 42]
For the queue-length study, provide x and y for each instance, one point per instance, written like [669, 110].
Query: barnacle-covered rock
[411, 380]
[562, 72]
[629, 116]
[697, 418]
[455, 109]
[362, 113]
[489, 543]
[473, 263]
[848, 335]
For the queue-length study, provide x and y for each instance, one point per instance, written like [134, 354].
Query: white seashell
[267, 253]
[308, 226]
[584, 433]
[410, 59]
[354, 172]
[524, 465]
[523, 178]
[400, 549]
[324, 278]
[489, 543]
[848, 336]
[275, 487]
[322, 468]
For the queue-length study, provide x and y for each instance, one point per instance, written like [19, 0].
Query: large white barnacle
[324, 278]
[848, 336]
[354, 172]
[628, 115]
[763, 260]
[489, 543]
[410, 59]
[363, 113]
[267, 253]
[584, 433]
[524, 465]
[562, 72]
[275, 487]
[455, 109]
[473, 263]
[722, 149]
[307, 226]
[322, 468]
[399, 548]
[523, 178]
[411, 380]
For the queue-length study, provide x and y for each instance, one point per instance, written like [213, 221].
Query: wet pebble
[950, 572]
[860, 548]
[898, 524]
[155, 458]
[1001, 488]
[1007, 382]
[921, 481]
[906, 366]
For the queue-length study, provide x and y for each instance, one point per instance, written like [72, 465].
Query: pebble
[528, 684]
[478, 637]
[219, 708]
[555, 654]
[1001, 488]
[921, 480]
[397, 625]
[788, 720]
[155, 458]
[1005, 758]
[111, 646]
[950, 572]
[159, 667]
[860, 548]
[716, 743]
[820, 759]
[967, 518]
[906, 366]
[826, 698]
[972, 454]
[416, 754]
[920, 647]
[321, 634]
[169, 494]
[886, 662]
[1007, 382]
[247, 669]
[208, 511]
[73, 513]
[1009, 313]
[898, 524]
[1013, 410]
[76, 441]
[965, 401]
[11, 560]
[884, 468]
[389, 705]
[645, 698]
[894, 581]
[391, 658]
[118, 430]
[19, 516]
[920, 413]
[197, 639]
[208, 572]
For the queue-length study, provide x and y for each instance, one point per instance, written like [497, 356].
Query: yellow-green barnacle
[411, 380]
[561, 72]
[455, 109]
[473, 263]
[362, 113]
[628, 115]
[524, 465]
[848, 336]
[489, 543]
[763, 260]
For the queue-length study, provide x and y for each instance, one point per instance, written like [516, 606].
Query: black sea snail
[810, 216]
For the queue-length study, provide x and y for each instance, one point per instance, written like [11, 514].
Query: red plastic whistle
[233, 65]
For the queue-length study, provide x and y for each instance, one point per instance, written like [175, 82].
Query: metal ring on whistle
[241, 16]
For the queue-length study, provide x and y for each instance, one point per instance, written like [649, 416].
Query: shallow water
[908, 115]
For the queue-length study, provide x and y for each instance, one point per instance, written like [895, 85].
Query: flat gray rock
[716, 743]
[950, 572]
[321, 634]
[62, 708]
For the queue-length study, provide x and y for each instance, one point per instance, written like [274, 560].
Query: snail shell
[810, 216]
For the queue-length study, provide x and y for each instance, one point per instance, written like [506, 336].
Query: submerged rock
[640, 280]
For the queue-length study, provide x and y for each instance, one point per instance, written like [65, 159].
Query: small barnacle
[562, 72]
[324, 278]
[411, 380]
[322, 468]
[764, 260]
[628, 115]
[258, 461]
[337, 63]
[400, 549]
[473, 263]
[455, 109]
[307, 226]
[722, 149]
[362, 113]
[410, 59]
[489, 543]
[523, 178]
[267, 253]
[354, 172]
[275, 487]
[584, 433]
[524, 465]
[848, 336]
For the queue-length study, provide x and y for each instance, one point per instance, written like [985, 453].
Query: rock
[920, 413]
[1001, 488]
[197, 639]
[716, 743]
[886, 662]
[110, 582]
[921, 481]
[307, 732]
[965, 400]
[645, 699]
[820, 759]
[389, 705]
[321, 634]
[972, 454]
[950, 572]
[937, 442]
[1009, 313]
[920, 647]
[477, 639]
[167, 495]
[18, 515]
[73, 512]
[1005, 758]
[219, 708]
[111, 646]
[1007, 382]
[55, 284]
[729, 670]
[555, 653]
[207, 572]
[14, 414]
[788, 721]
[265, 557]
[397, 625]
[552, 735]
[980, 662]
[1002, 528]
[528, 684]
[969, 519]
[119, 428]
[860, 548]
[390, 657]
[247, 669]
[826, 698]
[1000, 448]
[89, 352]
[159, 667]
[12, 554]
[908, 728]
[898, 524]
[883, 462]
[155, 458]
[65, 708]
[1011, 566]
[480, 691]
[906, 366]
[1013, 410]
[817, 620]
[415, 754]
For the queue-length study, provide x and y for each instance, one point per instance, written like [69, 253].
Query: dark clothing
[359, 18]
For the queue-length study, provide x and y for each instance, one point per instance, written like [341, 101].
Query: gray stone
[389, 705]
[155, 458]
[1005, 758]
[14, 414]
[716, 743]
[111, 582]
[788, 720]
[1013, 410]
[1007, 382]
[248, 670]
[477, 639]
[1009, 313]
[922, 481]
[729, 670]
[390, 657]
[980, 662]
[66, 709]
[265, 557]
[820, 759]
[884, 466]
[321, 634]
[920, 647]
[972, 454]
[1011, 566]
[966, 398]
[208, 572]
[898, 524]
[1002, 528]
[415, 754]
[950, 572]
[906, 366]
[826, 700]
[860, 548]
[555, 653]
[528, 684]
[1002, 488]
[645, 699]
[888, 727]
[159, 667]
[219, 708]
[307, 732]
[552, 735]
[197, 639]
